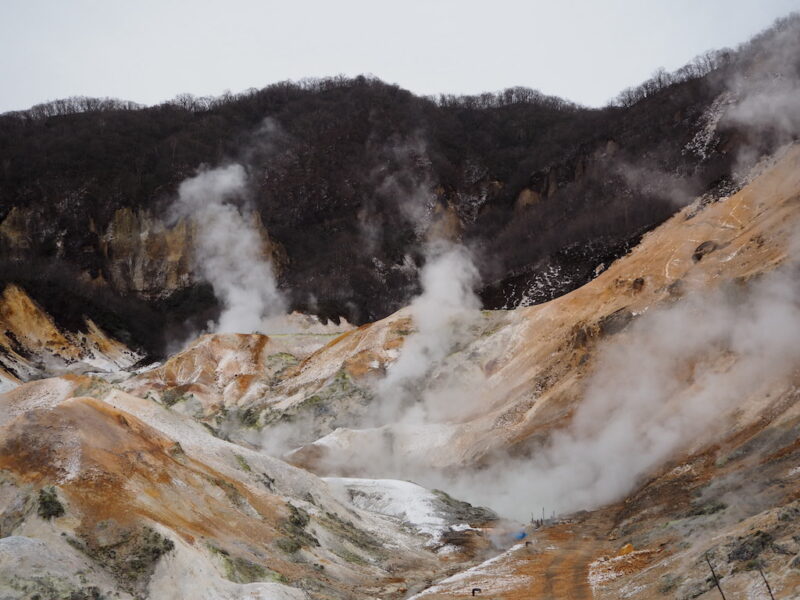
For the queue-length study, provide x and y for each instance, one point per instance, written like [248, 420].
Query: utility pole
[714, 575]
[766, 583]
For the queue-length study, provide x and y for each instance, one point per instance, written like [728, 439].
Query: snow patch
[540, 288]
[42, 394]
[404, 500]
[7, 385]
[495, 575]
[701, 145]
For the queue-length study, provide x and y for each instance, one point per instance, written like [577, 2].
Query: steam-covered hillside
[348, 178]
[625, 436]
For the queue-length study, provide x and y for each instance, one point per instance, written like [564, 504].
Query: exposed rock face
[33, 346]
[137, 252]
[526, 198]
[144, 256]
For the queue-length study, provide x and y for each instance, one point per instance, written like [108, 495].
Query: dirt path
[555, 566]
[560, 569]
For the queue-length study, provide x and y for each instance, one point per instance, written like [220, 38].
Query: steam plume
[448, 278]
[446, 303]
[767, 87]
[676, 376]
[230, 252]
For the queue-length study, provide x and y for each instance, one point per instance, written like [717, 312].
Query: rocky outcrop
[33, 346]
[138, 252]
[143, 256]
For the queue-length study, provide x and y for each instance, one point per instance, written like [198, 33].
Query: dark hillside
[544, 190]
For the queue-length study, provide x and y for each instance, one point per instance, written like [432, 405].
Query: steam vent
[342, 339]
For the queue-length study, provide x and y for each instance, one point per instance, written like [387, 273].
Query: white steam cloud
[441, 313]
[662, 388]
[447, 303]
[230, 252]
[678, 376]
[448, 278]
[652, 181]
[675, 378]
[666, 387]
[767, 90]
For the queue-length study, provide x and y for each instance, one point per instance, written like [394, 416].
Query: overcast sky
[151, 50]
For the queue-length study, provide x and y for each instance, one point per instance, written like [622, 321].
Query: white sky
[151, 50]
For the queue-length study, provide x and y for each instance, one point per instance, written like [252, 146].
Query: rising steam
[664, 388]
[661, 389]
[766, 89]
[230, 252]
[439, 313]
[448, 278]
[676, 377]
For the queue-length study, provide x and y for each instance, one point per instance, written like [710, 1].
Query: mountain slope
[516, 415]
[347, 177]
[621, 417]
[152, 505]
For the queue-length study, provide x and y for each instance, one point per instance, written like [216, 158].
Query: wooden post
[766, 583]
[714, 575]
